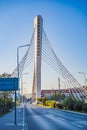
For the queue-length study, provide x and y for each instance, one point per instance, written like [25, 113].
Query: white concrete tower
[38, 24]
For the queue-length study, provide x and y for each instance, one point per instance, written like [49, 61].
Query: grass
[2, 114]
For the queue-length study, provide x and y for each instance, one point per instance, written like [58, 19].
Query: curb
[74, 112]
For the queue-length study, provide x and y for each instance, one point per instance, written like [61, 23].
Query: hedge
[58, 105]
[77, 106]
[84, 107]
[50, 103]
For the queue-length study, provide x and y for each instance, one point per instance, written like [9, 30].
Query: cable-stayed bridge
[40, 50]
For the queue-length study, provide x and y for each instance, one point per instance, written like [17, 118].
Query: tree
[57, 96]
[68, 102]
[5, 75]
[5, 95]
[63, 96]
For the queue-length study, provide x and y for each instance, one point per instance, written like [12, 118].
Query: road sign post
[15, 110]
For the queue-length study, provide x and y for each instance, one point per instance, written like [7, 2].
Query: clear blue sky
[65, 23]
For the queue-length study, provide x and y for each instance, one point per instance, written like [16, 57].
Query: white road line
[54, 113]
[65, 120]
[74, 123]
[62, 119]
[59, 117]
[77, 125]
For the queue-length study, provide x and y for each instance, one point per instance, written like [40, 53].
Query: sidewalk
[7, 121]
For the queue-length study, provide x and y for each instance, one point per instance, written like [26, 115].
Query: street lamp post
[54, 92]
[22, 88]
[59, 84]
[85, 83]
[63, 85]
[23, 94]
[84, 76]
[18, 70]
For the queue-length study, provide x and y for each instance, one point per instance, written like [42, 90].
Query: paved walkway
[7, 121]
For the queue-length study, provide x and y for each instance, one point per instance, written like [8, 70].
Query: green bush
[50, 103]
[77, 106]
[11, 105]
[58, 105]
[84, 107]
[68, 102]
[39, 99]
[42, 99]
[5, 105]
[70, 106]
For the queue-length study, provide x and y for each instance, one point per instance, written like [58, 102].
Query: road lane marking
[74, 123]
[58, 117]
[61, 118]
[17, 124]
[77, 125]
[65, 120]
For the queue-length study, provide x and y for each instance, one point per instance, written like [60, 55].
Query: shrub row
[72, 104]
[50, 103]
[78, 107]
[5, 107]
[68, 103]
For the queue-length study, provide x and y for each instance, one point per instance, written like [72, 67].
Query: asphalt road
[53, 119]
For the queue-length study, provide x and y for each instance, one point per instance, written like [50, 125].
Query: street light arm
[81, 72]
[23, 46]
[18, 55]
[84, 74]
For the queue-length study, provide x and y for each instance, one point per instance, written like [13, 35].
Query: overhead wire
[66, 73]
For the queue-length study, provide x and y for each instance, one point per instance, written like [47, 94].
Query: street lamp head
[23, 46]
[81, 72]
[27, 44]
[25, 73]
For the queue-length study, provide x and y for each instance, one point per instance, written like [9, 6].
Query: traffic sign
[8, 84]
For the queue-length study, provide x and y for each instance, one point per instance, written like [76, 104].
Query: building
[66, 92]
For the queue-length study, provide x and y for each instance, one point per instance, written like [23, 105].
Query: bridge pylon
[38, 24]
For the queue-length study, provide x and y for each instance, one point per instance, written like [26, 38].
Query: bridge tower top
[38, 20]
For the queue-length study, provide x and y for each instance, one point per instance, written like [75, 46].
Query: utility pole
[85, 85]
[18, 71]
[59, 84]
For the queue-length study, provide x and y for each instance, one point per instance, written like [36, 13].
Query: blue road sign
[8, 84]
